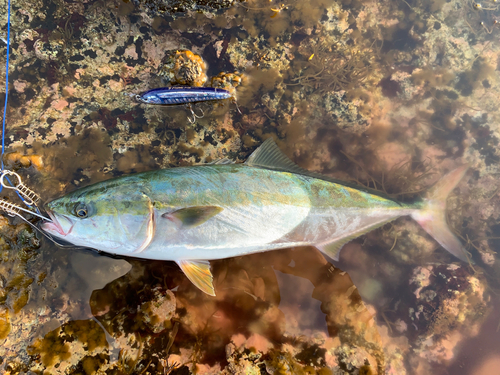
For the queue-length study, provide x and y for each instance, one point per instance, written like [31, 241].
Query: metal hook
[237, 108]
[202, 114]
[195, 116]
[30, 197]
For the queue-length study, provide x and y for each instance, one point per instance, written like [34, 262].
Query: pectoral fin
[198, 271]
[191, 217]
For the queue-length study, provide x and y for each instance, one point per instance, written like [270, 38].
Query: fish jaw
[60, 226]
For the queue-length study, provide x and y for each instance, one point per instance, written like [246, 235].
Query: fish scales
[195, 214]
[269, 201]
[260, 208]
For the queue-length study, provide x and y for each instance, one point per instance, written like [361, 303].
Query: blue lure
[182, 95]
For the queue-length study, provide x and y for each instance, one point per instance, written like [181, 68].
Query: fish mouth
[55, 226]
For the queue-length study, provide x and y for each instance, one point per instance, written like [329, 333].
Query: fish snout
[60, 226]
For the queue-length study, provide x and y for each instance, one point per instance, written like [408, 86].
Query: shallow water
[391, 95]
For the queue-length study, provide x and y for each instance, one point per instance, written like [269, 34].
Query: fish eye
[81, 210]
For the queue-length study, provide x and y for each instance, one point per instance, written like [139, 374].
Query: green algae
[92, 364]
[18, 246]
[51, 349]
[20, 300]
[56, 346]
[283, 364]
[472, 79]
[88, 332]
[366, 370]
[4, 323]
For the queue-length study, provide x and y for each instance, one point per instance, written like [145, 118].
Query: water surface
[390, 95]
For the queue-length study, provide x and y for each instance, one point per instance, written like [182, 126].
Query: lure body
[178, 95]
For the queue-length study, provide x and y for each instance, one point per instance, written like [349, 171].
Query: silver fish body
[194, 214]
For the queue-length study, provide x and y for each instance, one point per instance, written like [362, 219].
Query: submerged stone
[180, 6]
[158, 312]
[182, 67]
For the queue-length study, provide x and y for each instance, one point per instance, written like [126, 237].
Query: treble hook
[236, 104]
[195, 116]
[30, 197]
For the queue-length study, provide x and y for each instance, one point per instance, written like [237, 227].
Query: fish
[177, 95]
[192, 215]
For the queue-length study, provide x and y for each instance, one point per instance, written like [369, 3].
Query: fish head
[107, 218]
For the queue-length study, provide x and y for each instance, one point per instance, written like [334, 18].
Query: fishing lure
[178, 95]
[182, 95]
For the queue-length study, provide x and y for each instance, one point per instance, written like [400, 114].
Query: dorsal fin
[221, 161]
[269, 156]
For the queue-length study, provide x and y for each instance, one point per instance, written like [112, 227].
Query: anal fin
[198, 272]
[332, 249]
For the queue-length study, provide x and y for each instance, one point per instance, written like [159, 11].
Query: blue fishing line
[6, 84]
[6, 97]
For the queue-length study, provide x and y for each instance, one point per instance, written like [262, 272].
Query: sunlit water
[391, 95]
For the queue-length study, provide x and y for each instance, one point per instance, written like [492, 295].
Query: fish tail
[432, 215]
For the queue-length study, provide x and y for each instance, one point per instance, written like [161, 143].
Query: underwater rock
[347, 114]
[21, 274]
[449, 305]
[61, 349]
[352, 357]
[182, 67]
[158, 312]
[156, 7]
[242, 363]
[18, 245]
[50, 50]
[227, 81]
[426, 325]
[433, 93]
[16, 160]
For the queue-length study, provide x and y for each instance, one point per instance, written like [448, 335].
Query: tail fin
[432, 216]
